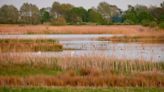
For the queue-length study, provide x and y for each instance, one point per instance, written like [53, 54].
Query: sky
[122, 4]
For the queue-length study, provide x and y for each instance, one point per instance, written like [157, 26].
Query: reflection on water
[152, 52]
[60, 37]
[86, 45]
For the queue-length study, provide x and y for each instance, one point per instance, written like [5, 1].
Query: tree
[59, 10]
[55, 11]
[157, 13]
[138, 14]
[130, 15]
[143, 13]
[45, 16]
[95, 17]
[65, 8]
[107, 11]
[29, 14]
[8, 14]
[76, 15]
[162, 5]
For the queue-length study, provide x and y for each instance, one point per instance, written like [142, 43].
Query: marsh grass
[87, 29]
[152, 79]
[100, 63]
[79, 89]
[97, 71]
[145, 39]
[26, 70]
[23, 45]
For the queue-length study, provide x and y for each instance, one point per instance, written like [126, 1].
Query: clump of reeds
[22, 45]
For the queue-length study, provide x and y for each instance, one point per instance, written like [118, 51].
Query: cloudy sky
[85, 3]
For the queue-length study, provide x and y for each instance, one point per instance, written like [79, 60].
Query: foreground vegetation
[98, 71]
[144, 39]
[23, 45]
[68, 89]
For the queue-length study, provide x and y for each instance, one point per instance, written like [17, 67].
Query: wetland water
[87, 45]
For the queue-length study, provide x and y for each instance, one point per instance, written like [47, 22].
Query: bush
[129, 22]
[145, 22]
[161, 25]
[58, 21]
[153, 24]
[148, 23]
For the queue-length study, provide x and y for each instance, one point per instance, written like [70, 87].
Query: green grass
[27, 69]
[67, 89]
[28, 40]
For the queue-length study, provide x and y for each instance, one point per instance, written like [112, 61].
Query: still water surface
[87, 45]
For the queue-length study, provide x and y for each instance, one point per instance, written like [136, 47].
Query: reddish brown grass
[152, 79]
[145, 39]
[20, 45]
[114, 29]
[97, 71]
[98, 63]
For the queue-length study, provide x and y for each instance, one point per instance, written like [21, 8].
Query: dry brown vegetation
[23, 45]
[88, 29]
[101, 63]
[153, 79]
[145, 39]
[86, 71]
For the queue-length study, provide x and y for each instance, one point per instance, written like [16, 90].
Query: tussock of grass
[21, 45]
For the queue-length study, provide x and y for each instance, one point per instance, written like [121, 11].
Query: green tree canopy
[45, 16]
[95, 17]
[77, 15]
[138, 14]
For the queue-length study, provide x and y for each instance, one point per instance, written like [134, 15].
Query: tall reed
[101, 63]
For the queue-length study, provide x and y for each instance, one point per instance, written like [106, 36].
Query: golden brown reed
[24, 45]
[87, 29]
[101, 63]
[153, 79]
[144, 39]
[92, 71]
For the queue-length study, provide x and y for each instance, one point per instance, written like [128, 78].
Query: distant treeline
[62, 14]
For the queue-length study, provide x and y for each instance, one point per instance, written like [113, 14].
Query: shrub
[161, 25]
[148, 23]
[128, 22]
[153, 24]
[58, 21]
